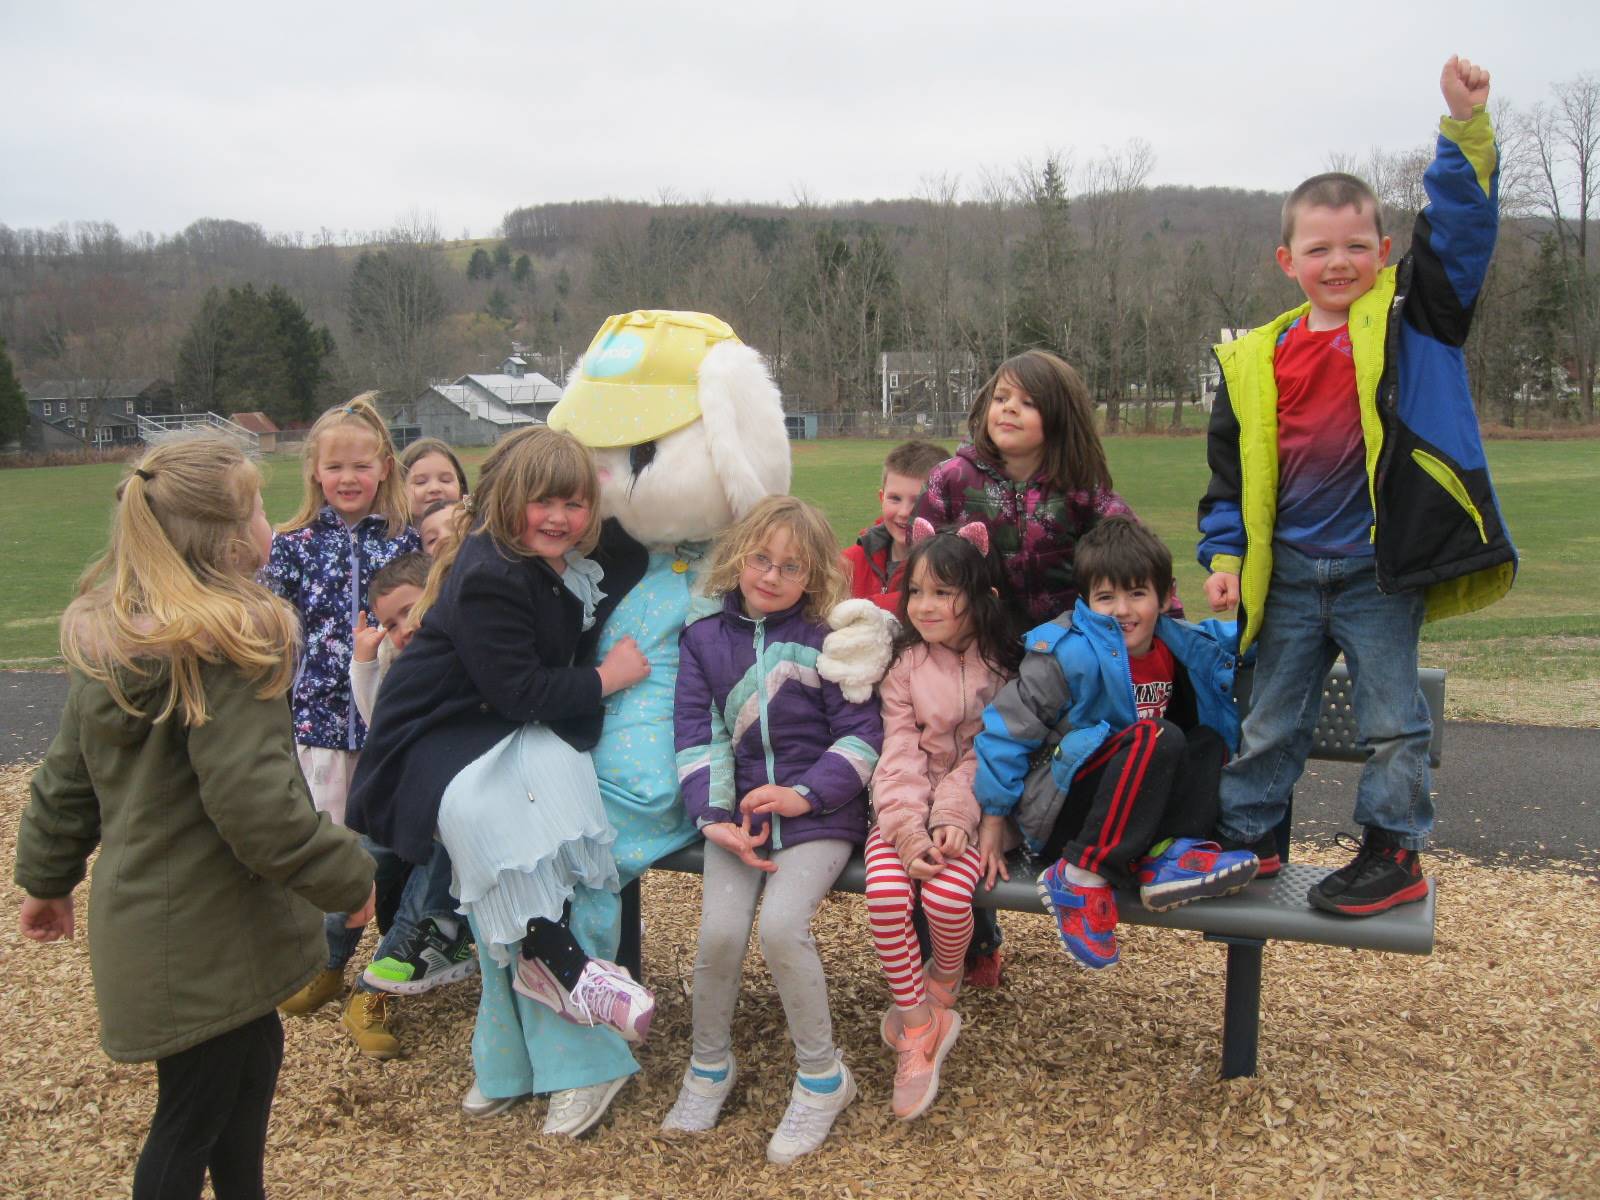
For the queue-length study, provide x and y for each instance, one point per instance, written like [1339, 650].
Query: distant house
[263, 426]
[97, 413]
[908, 381]
[478, 409]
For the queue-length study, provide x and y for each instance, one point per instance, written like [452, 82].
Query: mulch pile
[1475, 1072]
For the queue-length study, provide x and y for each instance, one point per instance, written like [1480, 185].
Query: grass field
[1533, 657]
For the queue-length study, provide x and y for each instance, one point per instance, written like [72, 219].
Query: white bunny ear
[743, 416]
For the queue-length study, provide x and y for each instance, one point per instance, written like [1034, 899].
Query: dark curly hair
[958, 563]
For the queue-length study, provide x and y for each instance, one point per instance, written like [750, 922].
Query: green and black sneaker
[428, 960]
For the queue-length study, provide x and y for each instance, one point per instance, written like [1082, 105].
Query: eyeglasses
[793, 572]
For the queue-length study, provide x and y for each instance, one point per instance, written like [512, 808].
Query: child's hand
[359, 918]
[737, 839]
[46, 920]
[1464, 85]
[1222, 590]
[624, 666]
[992, 850]
[368, 638]
[950, 841]
[771, 798]
[926, 866]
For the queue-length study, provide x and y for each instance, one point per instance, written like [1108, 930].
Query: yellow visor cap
[640, 378]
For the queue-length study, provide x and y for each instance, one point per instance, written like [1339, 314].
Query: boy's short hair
[914, 459]
[438, 506]
[397, 573]
[1331, 189]
[1122, 551]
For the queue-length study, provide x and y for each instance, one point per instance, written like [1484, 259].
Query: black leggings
[212, 1105]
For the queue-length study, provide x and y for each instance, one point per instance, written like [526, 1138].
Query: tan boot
[325, 985]
[367, 1019]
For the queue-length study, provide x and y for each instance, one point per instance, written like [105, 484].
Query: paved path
[1526, 792]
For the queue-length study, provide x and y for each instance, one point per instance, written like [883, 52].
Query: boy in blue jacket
[1350, 500]
[1107, 746]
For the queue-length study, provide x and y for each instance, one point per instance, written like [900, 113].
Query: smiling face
[433, 527]
[553, 525]
[938, 610]
[773, 577]
[432, 477]
[392, 608]
[1134, 609]
[1016, 427]
[1335, 255]
[350, 466]
[898, 496]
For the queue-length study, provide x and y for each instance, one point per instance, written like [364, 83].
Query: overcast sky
[354, 116]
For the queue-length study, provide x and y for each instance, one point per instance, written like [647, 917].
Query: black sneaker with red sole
[1383, 874]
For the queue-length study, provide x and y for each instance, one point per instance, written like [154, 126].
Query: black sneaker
[427, 961]
[1265, 848]
[1382, 874]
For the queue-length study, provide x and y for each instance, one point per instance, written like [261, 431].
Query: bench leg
[1241, 1012]
[630, 946]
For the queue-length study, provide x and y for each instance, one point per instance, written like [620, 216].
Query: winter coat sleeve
[61, 825]
[939, 505]
[283, 572]
[1221, 519]
[252, 789]
[1014, 726]
[901, 795]
[497, 647]
[1454, 236]
[704, 749]
[842, 771]
[364, 687]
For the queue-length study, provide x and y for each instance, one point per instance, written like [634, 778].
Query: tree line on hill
[1130, 282]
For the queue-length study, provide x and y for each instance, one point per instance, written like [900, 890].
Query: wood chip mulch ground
[1475, 1072]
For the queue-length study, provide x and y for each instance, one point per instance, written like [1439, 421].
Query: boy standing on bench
[1350, 499]
[1107, 746]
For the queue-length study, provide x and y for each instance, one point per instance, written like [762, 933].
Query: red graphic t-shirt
[1152, 681]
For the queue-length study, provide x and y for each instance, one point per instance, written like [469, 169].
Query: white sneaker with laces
[605, 995]
[577, 1110]
[809, 1117]
[480, 1107]
[699, 1101]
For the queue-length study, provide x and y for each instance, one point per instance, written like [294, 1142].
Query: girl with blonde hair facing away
[774, 764]
[175, 758]
[482, 732]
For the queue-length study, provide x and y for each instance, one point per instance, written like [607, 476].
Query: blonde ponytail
[176, 588]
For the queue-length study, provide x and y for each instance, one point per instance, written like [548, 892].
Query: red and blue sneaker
[1086, 918]
[1189, 869]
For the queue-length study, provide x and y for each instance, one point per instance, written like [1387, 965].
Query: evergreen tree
[249, 352]
[13, 402]
[480, 266]
[522, 272]
[498, 306]
[502, 256]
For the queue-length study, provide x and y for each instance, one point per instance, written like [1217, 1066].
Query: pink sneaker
[916, 1075]
[606, 995]
[938, 995]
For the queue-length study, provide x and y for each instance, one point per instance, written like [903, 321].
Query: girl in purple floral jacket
[1034, 473]
[351, 522]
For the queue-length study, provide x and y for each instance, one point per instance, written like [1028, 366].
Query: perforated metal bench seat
[1269, 909]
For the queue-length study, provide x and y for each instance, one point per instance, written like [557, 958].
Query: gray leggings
[727, 913]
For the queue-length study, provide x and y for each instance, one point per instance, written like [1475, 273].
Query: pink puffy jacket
[933, 702]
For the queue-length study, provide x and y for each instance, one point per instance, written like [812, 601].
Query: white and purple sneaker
[605, 995]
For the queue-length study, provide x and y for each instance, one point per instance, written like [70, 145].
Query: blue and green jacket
[751, 709]
[1437, 523]
[1074, 690]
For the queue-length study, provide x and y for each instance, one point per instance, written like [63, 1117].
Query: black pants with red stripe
[1148, 782]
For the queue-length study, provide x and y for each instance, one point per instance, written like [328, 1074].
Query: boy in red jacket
[873, 563]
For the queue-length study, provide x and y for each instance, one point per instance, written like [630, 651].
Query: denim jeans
[426, 894]
[1317, 607]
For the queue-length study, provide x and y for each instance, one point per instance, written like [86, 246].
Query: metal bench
[1267, 910]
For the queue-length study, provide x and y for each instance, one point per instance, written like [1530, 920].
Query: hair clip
[977, 534]
[921, 530]
[147, 476]
[467, 505]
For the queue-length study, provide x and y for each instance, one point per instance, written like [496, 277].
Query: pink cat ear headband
[974, 532]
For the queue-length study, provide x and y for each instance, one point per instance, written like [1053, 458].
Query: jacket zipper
[759, 642]
[1384, 400]
[355, 608]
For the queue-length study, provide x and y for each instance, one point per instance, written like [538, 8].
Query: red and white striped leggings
[947, 901]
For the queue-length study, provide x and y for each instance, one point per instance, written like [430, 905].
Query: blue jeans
[426, 894]
[1317, 607]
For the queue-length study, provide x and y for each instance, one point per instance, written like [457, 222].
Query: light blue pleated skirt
[524, 825]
